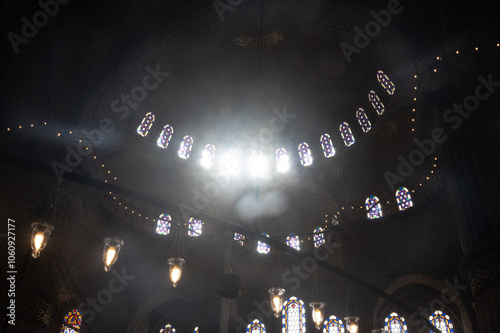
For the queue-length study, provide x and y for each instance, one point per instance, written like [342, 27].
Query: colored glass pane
[163, 225]
[319, 237]
[395, 324]
[293, 241]
[373, 207]
[442, 322]
[165, 136]
[386, 82]
[346, 133]
[263, 247]
[293, 316]
[363, 120]
[305, 154]
[376, 103]
[403, 198]
[333, 325]
[146, 124]
[326, 144]
[282, 160]
[194, 227]
[185, 148]
[207, 156]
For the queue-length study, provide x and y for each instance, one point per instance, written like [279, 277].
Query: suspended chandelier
[175, 269]
[112, 246]
[39, 236]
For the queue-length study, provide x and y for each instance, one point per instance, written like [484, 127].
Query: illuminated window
[239, 238]
[185, 148]
[373, 207]
[305, 154]
[167, 329]
[395, 324]
[335, 220]
[256, 327]
[293, 241]
[319, 237]
[163, 225]
[294, 316]
[346, 133]
[333, 325]
[364, 122]
[442, 322]
[146, 124]
[326, 144]
[165, 136]
[263, 247]
[195, 330]
[403, 198]
[376, 103]
[72, 322]
[194, 227]
[207, 156]
[282, 160]
[386, 82]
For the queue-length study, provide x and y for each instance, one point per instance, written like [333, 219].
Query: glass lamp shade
[39, 236]
[351, 323]
[276, 295]
[318, 313]
[112, 246]
[379, 330]
[175, 269]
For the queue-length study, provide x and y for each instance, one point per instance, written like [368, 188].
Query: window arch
[293, 316]
[442, 322]
[305, 154]
[194, 227]
[373, 207]
[146, 124]
[403, 198]
[333, 325]
[163, 225]
[363, 120]
[167, 329]
[165, 136]
[239, 238]
[207, 156]
[293, 241]
[282, 160]
[327, 145]
[346, 133]
[256, 326]
[395, 324]
[319, 237]
[185, 148]
[376, 103]
[263, 247]
[386, 82]
[72, 322]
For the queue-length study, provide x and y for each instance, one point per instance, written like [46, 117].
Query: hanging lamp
[40, 236]
[112, 246]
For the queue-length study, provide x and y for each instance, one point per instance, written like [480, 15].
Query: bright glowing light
[110, 255]
[317, 317]
[282, 160]
[232, 163]
[38, 240]
[175, 274]
[258, 165]
[353, 328]
[277, 303]
[207, 156]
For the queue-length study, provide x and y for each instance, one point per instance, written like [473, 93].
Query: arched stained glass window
[165, 136]
[72, 322]
[194, 227]
[305, 154]
[376, 103]
[346, 133]
[395, 324]
[239, 238]
[146, 124]
[333, 325]
[319, 237]
[163, 225]
[256, 326]
[294, 316]
[327, 145]
[293, 241]
[373, 207]
[263, 247]
[167, 329]
[195, 330]
[207, 156]
[282, 160]
[442, 322]
[403, 198]
[386, 82]
[185, 148]
[363, 120]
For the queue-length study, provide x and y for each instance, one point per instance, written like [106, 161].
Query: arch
[282, 160]
[256, 326]
[207, 156]
[194, 227]
[305, 154]
[346, 133]
[376, 103]
[333, 325]
[165, 136]
[394, 323]
[442, 322]
[167, 329]
[185, 148]
[403, 198]
[373, 207]
[293, 316]
[319, 237]
[293, 241]
[146, 124]
[263, 247]
[327, 145]
[163, 225]
[386, 82]
[363, 120]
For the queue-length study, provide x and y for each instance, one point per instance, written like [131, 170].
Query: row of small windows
[374, 208]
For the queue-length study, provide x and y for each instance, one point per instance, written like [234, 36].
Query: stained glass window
[327, 145]
[335, 220]
[195, 330]
[207, 156]
[185, 148]
[293, 241]
[403, 198]
[305, 154]
[194, 227]
[333, 325]
[442, 322]
[386, 82]
[376, 103]
[395, 324]
[319, 237]
[146, 124]
[239, 238]
[294, 316]
[163, 225]
[72, 322]
[364, 122]
[282, 160]
[346, 133]
[263, 247]
[66, 329]
[167, 329]
[373, 207]
[256, 327]
[165, 136]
